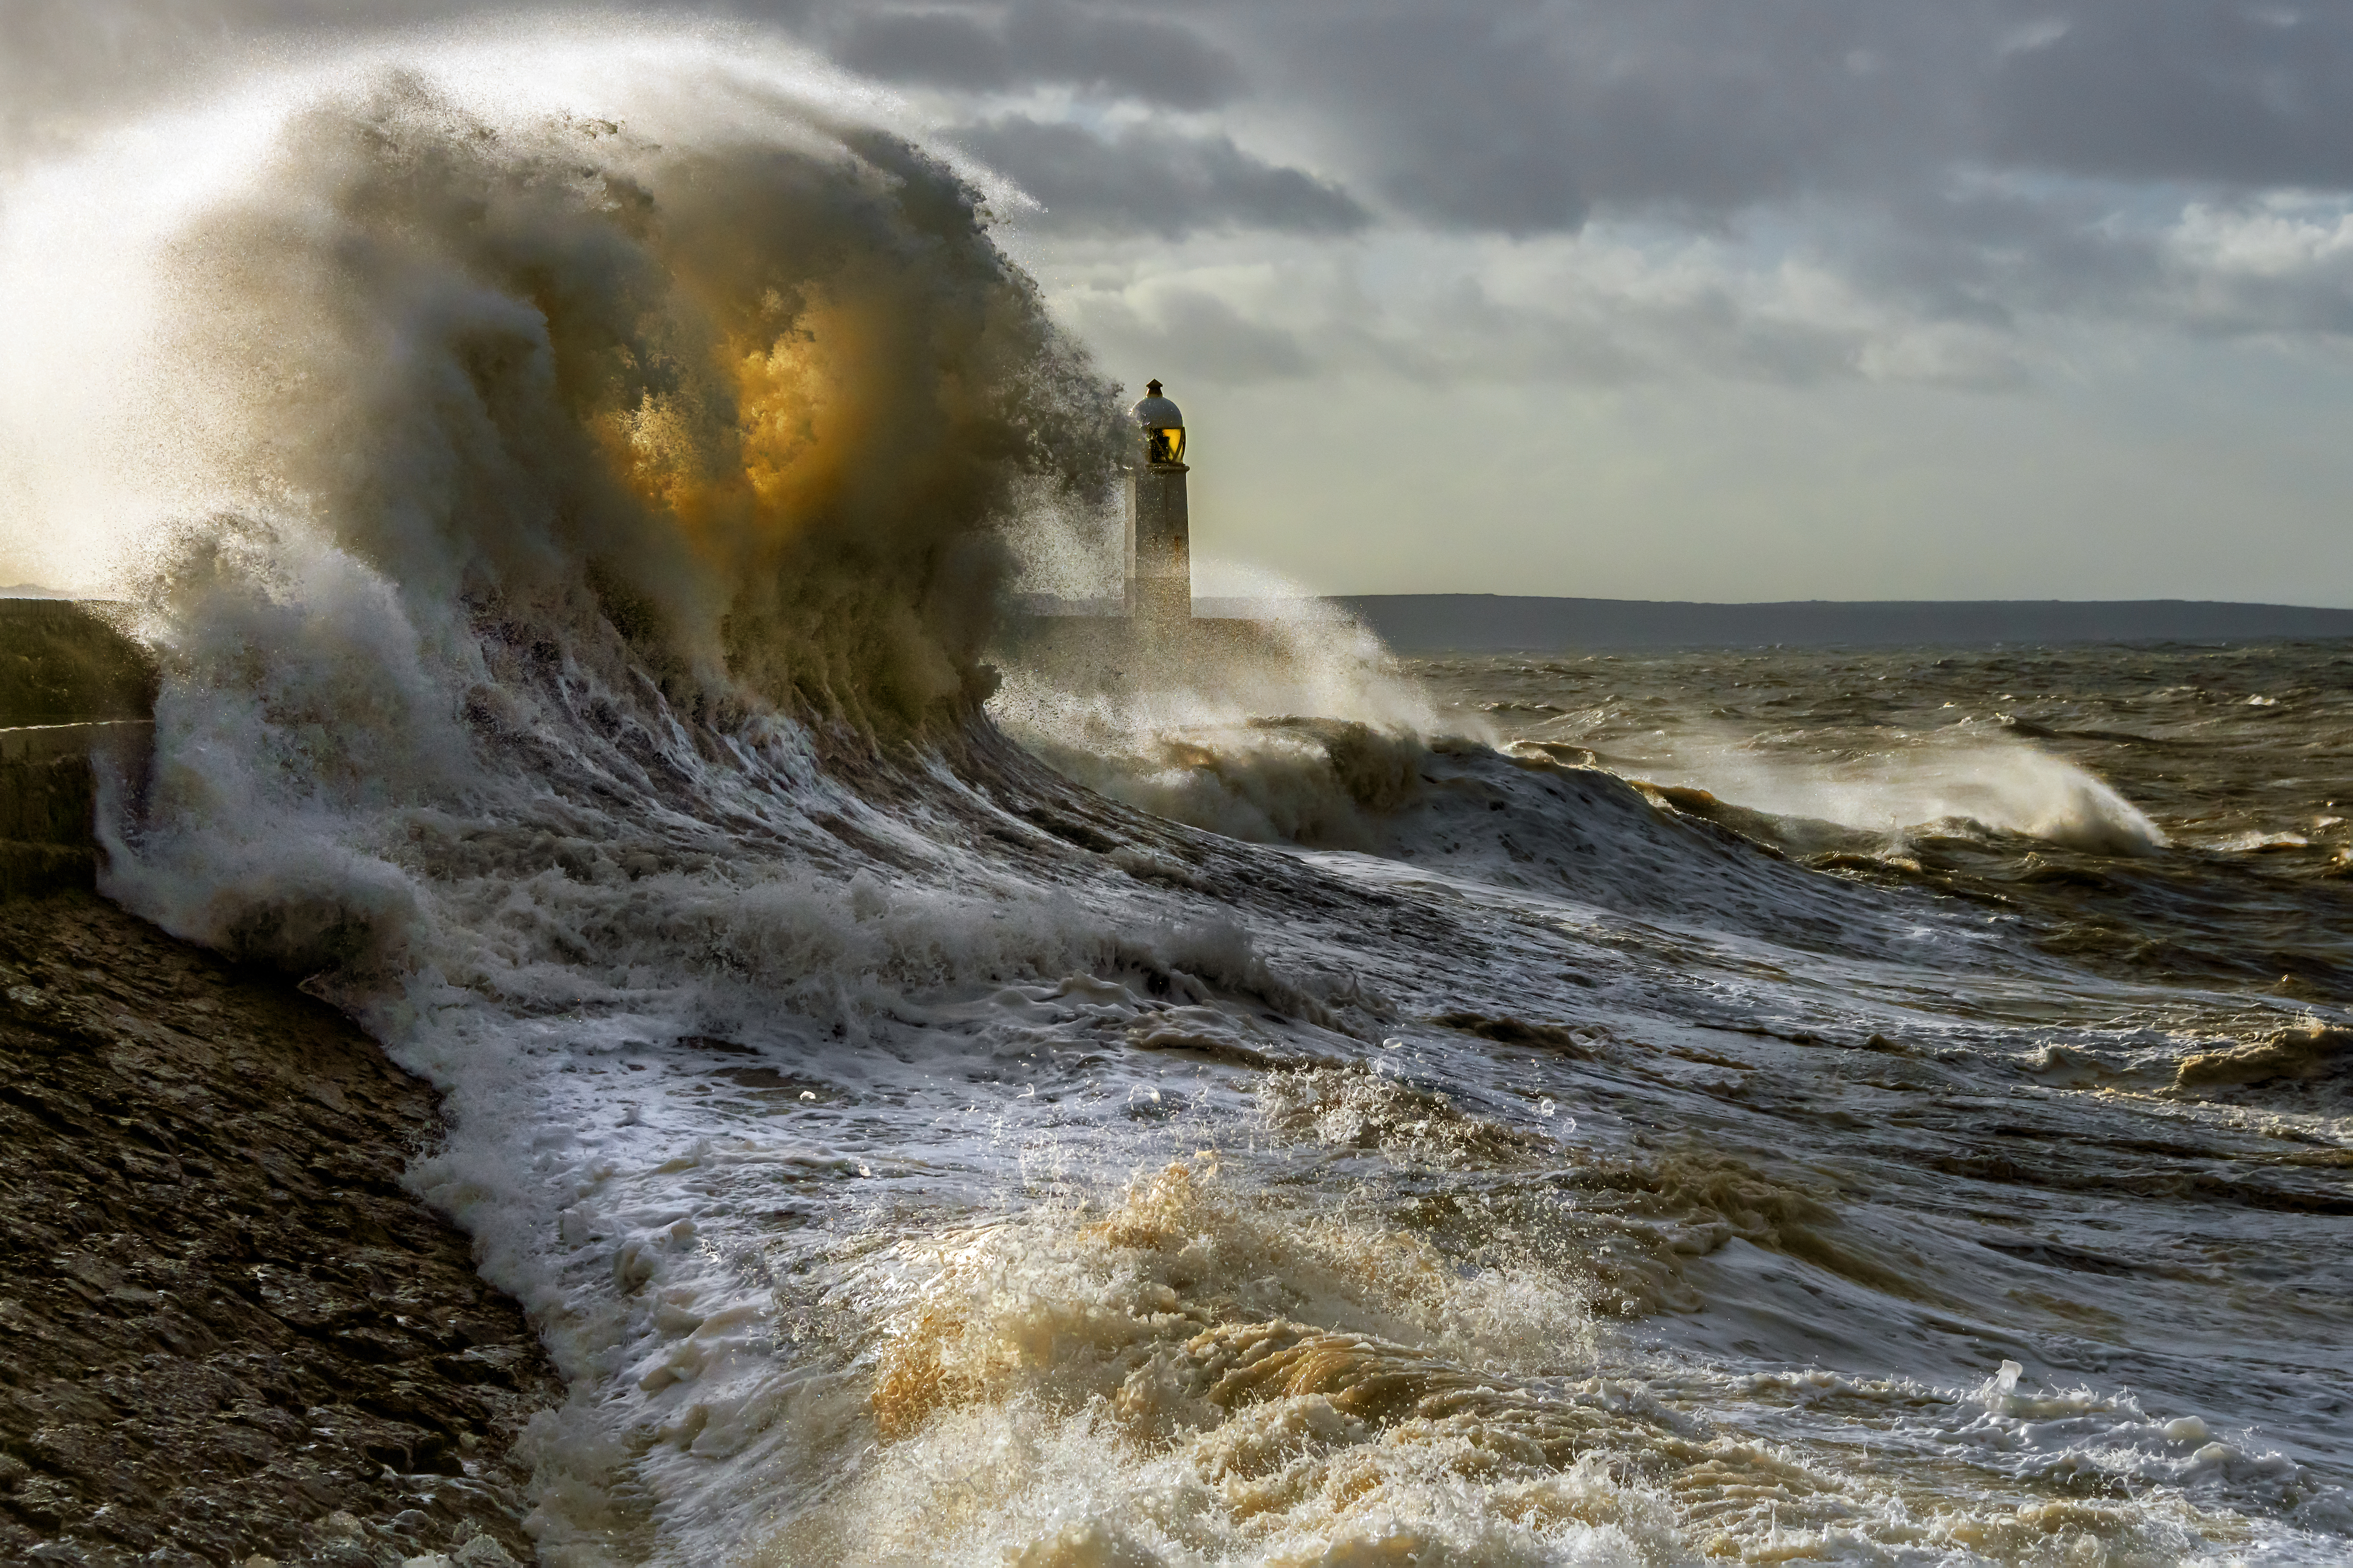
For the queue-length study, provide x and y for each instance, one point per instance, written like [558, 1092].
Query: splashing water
[2007, 785]
[1292, 735]
[571, 487]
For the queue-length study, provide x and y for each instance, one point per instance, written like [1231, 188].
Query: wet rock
[231, 1335]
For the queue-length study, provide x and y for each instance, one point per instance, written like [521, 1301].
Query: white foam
[2006, 784]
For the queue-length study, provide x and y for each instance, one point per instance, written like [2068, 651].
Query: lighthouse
[1159, 532]
[1154, 639]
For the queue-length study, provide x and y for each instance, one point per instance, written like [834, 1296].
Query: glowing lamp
[1163, 425]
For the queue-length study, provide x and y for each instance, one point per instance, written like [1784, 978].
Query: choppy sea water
[1879, 1108]
[965, 1167]
[1930, 1063]
[2032, 777]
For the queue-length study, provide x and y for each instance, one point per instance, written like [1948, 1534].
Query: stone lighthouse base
[1113, 654]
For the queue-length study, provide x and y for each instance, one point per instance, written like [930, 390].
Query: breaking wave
[939, 1117]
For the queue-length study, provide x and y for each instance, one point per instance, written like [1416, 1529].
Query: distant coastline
[1507, 623]
[1503, 623]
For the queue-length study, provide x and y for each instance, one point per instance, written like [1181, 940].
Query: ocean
[1880, 1107]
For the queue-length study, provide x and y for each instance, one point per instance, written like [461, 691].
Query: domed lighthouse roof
[1155, 412]
[1162, 427]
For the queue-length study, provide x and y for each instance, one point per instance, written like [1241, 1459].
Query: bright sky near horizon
[1646, 298]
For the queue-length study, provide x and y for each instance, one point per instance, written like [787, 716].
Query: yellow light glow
[1167, 446]
[792, 412]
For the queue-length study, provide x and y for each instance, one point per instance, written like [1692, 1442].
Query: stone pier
[50, 781]
[76, 697]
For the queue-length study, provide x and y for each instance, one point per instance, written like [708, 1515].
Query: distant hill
[1498, 623]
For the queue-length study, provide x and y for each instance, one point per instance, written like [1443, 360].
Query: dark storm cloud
[1094, 49]
[1511, 115]
[1522, 119]
[1154, 181]
[2249, 95]
[1972, 162]
[1523, 116]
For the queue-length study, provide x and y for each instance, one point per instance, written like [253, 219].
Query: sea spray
[1291, 735]
[587, 504]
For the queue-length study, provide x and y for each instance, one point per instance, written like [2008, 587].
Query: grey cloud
[1975, 163]
[2167, 90]
[1521, 116]
[1525, 118]
[1186, 332]
[1710, 327]
[1462, 334]
[1511, 115]
[2000, 260]
[1990, 256]
[1526, 115]
[1153, 181]
[1035, 42]
[936, 46]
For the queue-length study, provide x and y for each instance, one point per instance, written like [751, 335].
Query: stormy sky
[1705, 298]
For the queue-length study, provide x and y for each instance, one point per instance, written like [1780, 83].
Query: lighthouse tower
[1159, 534]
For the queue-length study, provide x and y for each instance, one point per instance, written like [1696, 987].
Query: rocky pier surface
[229, 1331]
[228, 1334]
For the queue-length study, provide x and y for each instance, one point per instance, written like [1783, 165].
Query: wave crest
[759, 408]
